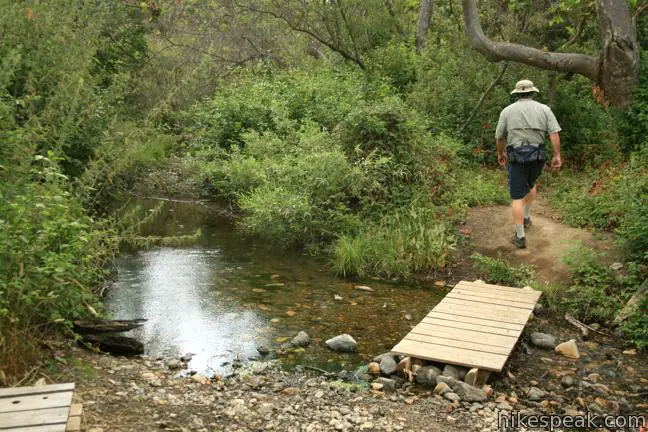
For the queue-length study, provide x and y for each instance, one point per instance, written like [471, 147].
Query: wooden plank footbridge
[39, 409]
[476, 325]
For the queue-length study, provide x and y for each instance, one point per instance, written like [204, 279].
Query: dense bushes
[318, 173]
[65, 72]
[51, 257]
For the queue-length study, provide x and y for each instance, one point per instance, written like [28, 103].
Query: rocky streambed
[151, 393]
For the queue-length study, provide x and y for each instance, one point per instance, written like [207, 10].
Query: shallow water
[225, 296]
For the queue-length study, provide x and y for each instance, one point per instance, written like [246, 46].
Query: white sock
[519, 229]
[527, 211]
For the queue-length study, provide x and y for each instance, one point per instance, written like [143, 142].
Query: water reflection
[172, 289]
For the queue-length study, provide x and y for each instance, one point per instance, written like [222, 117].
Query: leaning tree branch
[499, 51]
[484, 96]
[332, 46]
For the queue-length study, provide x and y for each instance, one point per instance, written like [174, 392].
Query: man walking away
[521, 138]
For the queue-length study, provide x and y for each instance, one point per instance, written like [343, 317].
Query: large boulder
[568, 349]
[427, 375]
[543, 340]
[301, 340]
[469, 393]
[456, 372]
[388, 365]
[342, 343]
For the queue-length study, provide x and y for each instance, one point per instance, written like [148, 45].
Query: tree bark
[619, 60]
[106, 326]
[615, 70]
[424, 19]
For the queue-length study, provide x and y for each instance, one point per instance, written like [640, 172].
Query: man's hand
[501, 159]
[556, 162]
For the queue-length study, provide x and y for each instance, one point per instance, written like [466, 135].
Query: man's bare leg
[517, 207]
[528, 201]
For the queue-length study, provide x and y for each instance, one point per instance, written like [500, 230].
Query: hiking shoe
[519, 243]
[527, 222]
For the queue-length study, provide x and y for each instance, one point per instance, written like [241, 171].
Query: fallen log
[106, 326]
[115, 344]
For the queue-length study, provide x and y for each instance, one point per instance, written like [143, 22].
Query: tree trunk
[106, 326]
[615, 70]
[424, 19]
[116, 344]
[619, 60]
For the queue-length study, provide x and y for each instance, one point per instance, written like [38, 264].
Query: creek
[224, 296]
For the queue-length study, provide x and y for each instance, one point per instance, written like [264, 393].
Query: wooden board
[36, 417]
[17, 391]
[32, 402]
[475, 325]
[39, 409]
[532, 295]
[480, 321]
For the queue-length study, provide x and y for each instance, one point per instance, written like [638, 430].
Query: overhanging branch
[498, 51]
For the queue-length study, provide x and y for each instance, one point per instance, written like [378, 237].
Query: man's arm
[501, 154]
[556, 162]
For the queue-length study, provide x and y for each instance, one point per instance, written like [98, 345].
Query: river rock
[601, 390]
[388, 365]
[568, 349]
[427, 375]
[342, 343]
[469, 393]
[454, 397]
[301, 340]
[535, 394]
[389, 385]
[567, 381]
[175, 364]
[446, 379]
[263, 349]
[374, 368]
[441, 388]
[456, 372]
[543, 340]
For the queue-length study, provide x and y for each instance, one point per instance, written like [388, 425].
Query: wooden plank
[473, 346]
[457, 356]
[483, 322]
[73, 424]
[483, 313]
[491, 307]
[486, 301]
[465, 335]
[516, 292]
[468, 326]
[76, 410]
[497, 287]
[34, 417]
[38, 401]
[23, 391]
[45, 428]
[479, 292]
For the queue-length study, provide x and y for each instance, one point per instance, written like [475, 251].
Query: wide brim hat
[524, 86]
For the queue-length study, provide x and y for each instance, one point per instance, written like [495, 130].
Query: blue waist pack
[526, 153]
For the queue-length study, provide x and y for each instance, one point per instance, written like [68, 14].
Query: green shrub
[498, 271]
[611, 198]
[51, 257]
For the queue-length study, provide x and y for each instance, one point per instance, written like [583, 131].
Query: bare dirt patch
[548, 240]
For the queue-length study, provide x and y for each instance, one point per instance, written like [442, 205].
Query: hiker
[521, 134]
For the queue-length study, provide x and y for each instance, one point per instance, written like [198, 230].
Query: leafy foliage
[498, 271]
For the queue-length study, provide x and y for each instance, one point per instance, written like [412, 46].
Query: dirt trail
[548, 240]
